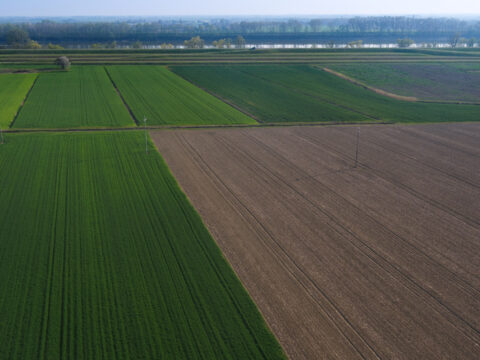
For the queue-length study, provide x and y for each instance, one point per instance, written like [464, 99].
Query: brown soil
[377, 261]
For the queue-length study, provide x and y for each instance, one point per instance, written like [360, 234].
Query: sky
[239, 7]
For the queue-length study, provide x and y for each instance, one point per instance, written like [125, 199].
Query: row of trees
[198, 43]
[133, 30]
[19, 38]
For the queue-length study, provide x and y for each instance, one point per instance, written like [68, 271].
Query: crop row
[102, 256]
[81, 97]
[165, 98]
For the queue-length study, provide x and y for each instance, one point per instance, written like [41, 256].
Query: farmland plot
[82, 97]
[13, 89]
[103, 257]
[165, 98]
[449, 81]
[381, 260]
[300, 93]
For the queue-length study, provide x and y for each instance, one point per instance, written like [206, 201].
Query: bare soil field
[378, 261]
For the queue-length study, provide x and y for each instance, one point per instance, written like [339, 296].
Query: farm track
[378, 261]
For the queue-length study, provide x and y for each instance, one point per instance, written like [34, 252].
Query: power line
[356, 149]
[146, 141]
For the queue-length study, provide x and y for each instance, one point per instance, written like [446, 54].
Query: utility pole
[356, 149]
[1, 135]
[146, 141]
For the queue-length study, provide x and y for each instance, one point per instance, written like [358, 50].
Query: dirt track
[378, 261]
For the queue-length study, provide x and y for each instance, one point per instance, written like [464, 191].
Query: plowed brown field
[377, 261]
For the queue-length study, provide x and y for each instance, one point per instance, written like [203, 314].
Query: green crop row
[103, 257]
[165, 98]
[81, 97]
[299, 93]
[13, 89]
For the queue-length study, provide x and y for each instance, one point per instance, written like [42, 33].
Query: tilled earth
[377, 260]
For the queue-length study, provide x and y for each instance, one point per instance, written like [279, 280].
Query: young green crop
[103, 257]
[81, 97]
[165, 98]
[270, 102]
[13, 89]
[432, 81]
[299, 93]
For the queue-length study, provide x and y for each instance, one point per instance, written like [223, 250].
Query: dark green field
[103, 257]
[303, 93]
[81, 97]
[165, 98]
[451, 82]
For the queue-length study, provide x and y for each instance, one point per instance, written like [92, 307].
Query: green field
[165, 98]
[13, 89]
[81, 97]
[103, 257]
[449, 81]
[299, 93]
[268, 101]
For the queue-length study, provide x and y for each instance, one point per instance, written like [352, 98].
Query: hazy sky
[239, 7]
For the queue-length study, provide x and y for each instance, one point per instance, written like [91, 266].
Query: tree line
[228, 30]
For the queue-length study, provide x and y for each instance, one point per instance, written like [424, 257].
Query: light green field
[103, 257]
[165, 98]
[81, 97]
[13, 89]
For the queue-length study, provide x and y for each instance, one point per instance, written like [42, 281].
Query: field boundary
[132, 115]
[228, 102]
[200, 127]
[371, 88]
[23, 102]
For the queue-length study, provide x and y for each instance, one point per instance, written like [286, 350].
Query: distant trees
[240, 41]
[51, 46]
[355, 44]
[471, 42]
[222, 43]
[17, 38]
[404, 43]
[453, 40]
[137, 45]
[374, 29]
[64, 62]
[166, 46]
[316, 25]
[32, 44]
[219, 43]
[195, 43]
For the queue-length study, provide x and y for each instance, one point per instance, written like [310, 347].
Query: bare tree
[454, 40]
